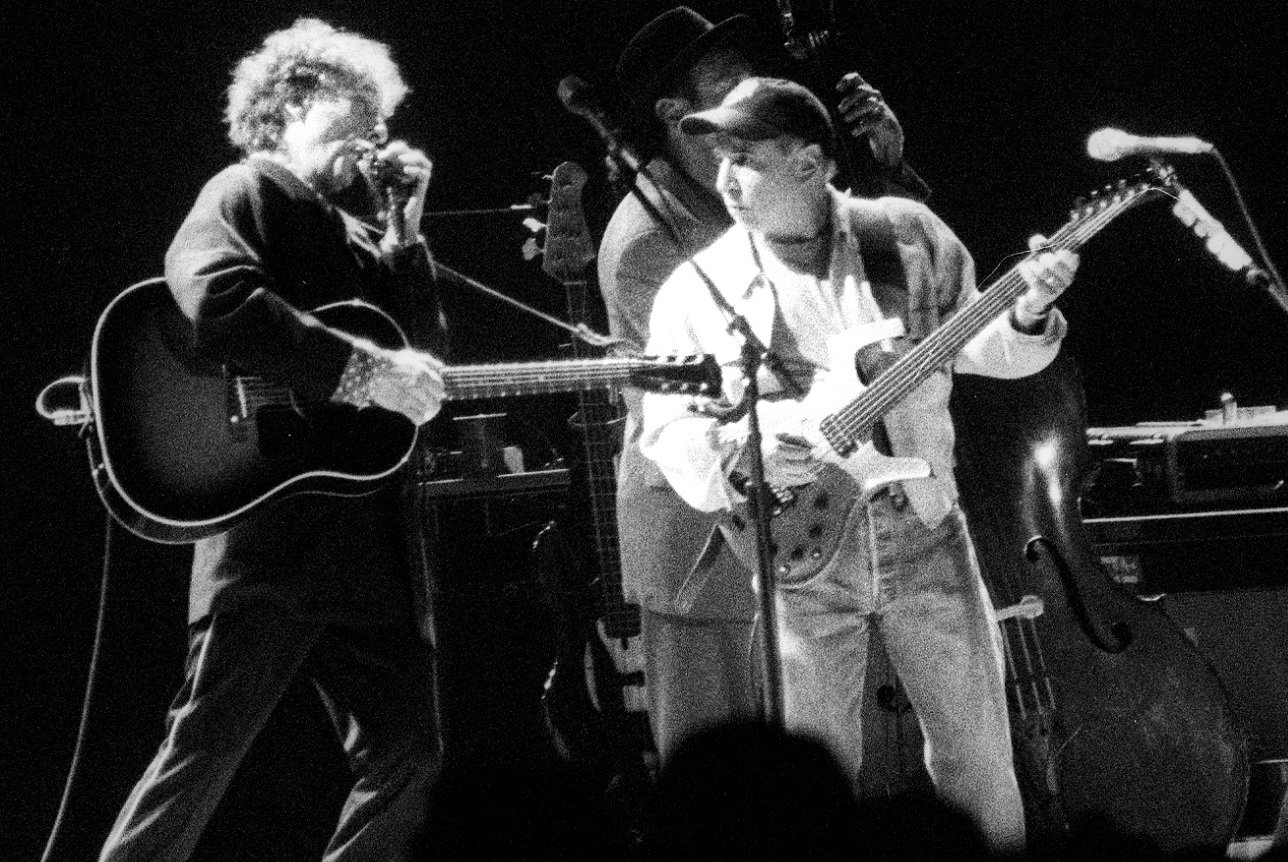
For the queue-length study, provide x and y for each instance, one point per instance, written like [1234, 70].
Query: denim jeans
[921, 589]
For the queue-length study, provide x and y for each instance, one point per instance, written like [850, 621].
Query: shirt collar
[845, 255]
[842, 231]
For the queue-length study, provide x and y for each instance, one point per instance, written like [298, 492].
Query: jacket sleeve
[631, 282]
[998, 350]
[216, 270]
[693, 450]
[415, 299]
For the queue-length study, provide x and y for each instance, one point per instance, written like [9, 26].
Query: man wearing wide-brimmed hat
[696, 607]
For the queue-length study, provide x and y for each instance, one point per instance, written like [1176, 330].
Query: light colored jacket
[695, 452]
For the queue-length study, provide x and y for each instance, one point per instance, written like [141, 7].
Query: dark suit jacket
[257, 251]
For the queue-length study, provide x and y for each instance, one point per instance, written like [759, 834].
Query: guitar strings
[889, 388]
[465, 381]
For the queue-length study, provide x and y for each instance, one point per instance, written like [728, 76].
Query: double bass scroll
[813, 39]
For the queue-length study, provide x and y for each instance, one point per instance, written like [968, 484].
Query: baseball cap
[762, 108]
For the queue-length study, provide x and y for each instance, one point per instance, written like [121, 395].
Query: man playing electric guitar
[696, 610]
[904, 564]
[311, 585]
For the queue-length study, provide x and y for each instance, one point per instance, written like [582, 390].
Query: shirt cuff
[355, 381]
[1039, 316]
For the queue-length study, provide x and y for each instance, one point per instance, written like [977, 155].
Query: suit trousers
[377, 687]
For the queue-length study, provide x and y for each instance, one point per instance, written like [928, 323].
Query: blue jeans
[921, 589]
[699, 674]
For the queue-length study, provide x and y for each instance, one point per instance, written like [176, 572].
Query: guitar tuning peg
[530, 249]
[533, 225]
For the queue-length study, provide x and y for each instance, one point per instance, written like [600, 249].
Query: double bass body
[1120, 725]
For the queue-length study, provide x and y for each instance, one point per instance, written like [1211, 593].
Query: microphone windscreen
[1107, 145]
[575, 94]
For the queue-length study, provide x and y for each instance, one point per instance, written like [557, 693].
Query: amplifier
[1230, 458]
[476, 513]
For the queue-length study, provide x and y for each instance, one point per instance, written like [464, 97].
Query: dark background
[112, 122]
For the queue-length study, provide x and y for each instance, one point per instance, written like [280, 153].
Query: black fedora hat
[666, 45]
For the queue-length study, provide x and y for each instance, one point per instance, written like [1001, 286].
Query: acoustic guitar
[184, 448]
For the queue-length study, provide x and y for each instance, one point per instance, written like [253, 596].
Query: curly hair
[309, 59]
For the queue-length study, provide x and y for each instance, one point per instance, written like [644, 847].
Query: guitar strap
[879, 250]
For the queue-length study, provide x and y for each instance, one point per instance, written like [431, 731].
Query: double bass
[1120, 726]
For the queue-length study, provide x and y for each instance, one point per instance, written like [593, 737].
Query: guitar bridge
[783, 499]
[235, 406]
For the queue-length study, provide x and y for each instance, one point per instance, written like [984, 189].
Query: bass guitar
[837, 416]
[184, 447]
[595, 697]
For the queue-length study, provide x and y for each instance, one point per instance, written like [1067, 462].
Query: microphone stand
[485, 211]
[579, 330]
[1220, 243]
[757, 490]
[759, 508]
[393, 199]
[1268, 278]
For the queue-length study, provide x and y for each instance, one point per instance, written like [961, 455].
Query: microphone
[1110, 145]
[578, 97]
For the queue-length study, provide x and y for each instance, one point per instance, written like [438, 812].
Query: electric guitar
[837, 415]
[185, 448]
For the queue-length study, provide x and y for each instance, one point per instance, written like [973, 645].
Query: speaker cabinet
[494, 628]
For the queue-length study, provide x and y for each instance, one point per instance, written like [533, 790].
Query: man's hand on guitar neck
[1048, 274]
[405, 381]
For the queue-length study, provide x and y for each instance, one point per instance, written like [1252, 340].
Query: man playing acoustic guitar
[311, 585]
[806, 266]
